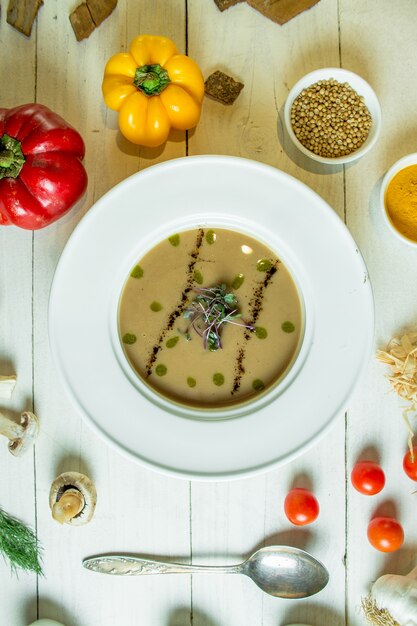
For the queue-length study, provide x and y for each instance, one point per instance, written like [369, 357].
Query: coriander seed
[330, 119]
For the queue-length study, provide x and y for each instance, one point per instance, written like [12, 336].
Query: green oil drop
[161, 370]
[238, 281]
[129, 338]
[174, 240]
[210, 237]
[218, 379]
[264, 265]
[258, 385]
[137, 272]
[198, 277]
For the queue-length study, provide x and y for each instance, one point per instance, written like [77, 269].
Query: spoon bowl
[286, 572]
[280, 571]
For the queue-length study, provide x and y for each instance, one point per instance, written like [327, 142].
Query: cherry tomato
[301, 507]
[385, 534]
[368, 478]
[410, 467]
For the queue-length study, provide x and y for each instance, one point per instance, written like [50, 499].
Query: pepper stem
[151, 79]
[11, 157]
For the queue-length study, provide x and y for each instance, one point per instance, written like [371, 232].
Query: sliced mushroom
[7, 384]
[72, 499]
[21, 436]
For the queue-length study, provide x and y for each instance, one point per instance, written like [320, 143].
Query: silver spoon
[281, 571]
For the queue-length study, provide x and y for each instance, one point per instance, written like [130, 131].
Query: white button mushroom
[393, 599]
[21, 436]
[72, 499]
[7, 384]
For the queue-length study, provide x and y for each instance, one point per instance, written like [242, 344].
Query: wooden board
[18, 597]
[234, 519]
[375, 420]
[141, 511]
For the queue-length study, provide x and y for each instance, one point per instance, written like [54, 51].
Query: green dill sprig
[19, 545]
[211, 308]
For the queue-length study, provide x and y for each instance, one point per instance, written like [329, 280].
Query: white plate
[211, 191]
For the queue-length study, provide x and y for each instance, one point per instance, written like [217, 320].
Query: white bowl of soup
[210, 318]
[197, 310]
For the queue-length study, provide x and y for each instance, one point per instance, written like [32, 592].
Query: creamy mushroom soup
[210, 318]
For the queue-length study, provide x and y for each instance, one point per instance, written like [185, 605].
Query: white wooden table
[142, 511]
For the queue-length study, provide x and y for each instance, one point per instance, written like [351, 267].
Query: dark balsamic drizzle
[256, 306]
[179, 309]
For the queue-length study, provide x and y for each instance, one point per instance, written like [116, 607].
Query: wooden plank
[231, 520]
[137, 510]
[376, 428]
[268, 59]
[17, 492]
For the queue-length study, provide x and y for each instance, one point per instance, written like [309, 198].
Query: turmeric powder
[401, 202]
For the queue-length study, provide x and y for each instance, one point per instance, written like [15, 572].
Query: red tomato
[368, 478]
[301, 507]
[385, 534]
[410, 467]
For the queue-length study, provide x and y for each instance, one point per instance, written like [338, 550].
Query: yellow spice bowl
[399, 217]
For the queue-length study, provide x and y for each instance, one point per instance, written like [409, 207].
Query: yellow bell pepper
[154, 89]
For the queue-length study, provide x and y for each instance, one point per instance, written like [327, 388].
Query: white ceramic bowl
[361, 87]
[410, 159]
[210, 191]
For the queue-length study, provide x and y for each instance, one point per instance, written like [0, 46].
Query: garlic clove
[398, 595]
[393, 600]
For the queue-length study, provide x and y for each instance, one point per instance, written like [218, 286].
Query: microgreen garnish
[184, 334]
[212, 307]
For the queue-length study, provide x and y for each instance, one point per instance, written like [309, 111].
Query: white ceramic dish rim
[167, 169]
[361, 87]
[405, 161]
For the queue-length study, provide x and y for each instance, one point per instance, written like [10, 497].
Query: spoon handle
[135, 566]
